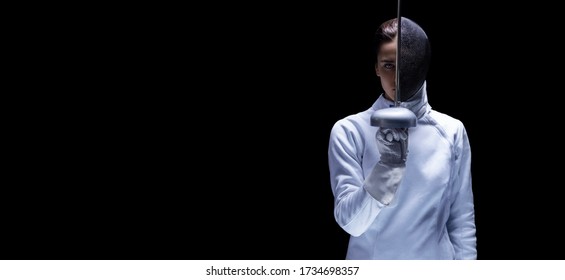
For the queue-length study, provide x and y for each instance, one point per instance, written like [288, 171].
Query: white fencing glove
[387, 174]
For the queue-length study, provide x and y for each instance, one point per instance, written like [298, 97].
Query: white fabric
[431, 213]
[383, 181]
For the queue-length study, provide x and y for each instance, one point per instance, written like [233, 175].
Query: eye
[389, 66]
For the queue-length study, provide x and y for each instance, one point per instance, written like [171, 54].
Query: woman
[403, 193]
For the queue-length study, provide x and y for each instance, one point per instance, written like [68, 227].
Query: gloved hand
[384, 179]
[392, 144]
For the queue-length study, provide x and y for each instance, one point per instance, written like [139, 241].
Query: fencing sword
[395, 117]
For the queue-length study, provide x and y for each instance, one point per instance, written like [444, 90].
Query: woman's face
[386, 68]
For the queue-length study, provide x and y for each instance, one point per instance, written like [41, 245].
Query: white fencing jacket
[432, 213]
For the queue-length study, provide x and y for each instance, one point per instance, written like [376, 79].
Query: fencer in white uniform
[403, 193]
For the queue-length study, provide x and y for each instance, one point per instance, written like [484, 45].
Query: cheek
[387, 77]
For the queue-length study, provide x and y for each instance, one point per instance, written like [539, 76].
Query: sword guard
[393, 117]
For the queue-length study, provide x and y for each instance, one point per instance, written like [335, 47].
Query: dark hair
[385, 33]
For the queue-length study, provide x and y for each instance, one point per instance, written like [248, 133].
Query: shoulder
[446, 120]
[354, 123]
[350, 132]
[451, 127]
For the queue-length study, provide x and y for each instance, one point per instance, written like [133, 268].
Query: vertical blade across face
[397, 116]
[397, 68]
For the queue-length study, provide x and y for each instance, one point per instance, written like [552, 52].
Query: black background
[202, 132]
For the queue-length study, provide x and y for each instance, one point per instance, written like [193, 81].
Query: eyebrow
[388, 60]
